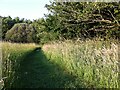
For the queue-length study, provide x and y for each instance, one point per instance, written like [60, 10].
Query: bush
[21, 32]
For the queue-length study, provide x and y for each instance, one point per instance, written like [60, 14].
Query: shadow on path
[37, 71]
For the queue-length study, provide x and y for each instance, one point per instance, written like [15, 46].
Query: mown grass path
[36, 71]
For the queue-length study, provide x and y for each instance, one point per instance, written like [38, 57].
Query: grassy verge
[12, 54]
[94, 63]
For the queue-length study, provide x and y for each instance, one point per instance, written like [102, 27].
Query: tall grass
[93, 62]
[12, 54]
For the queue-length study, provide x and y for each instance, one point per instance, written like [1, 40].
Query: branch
[87, 21]
[105, 21]
[101, 28]
[114, 18]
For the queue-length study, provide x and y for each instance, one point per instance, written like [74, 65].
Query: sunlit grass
[94, 62]
[12, 54]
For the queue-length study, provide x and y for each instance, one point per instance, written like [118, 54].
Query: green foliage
[46, 37]
[21, 32]
[69, 20]
[7, 24]
[82, 19]
[46, 29]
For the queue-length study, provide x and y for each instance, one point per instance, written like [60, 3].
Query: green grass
[37, 71]
[94, 63]
[12, 54]
[83, 64]
[33, 70]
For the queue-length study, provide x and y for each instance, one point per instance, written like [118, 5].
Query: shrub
[21, 32]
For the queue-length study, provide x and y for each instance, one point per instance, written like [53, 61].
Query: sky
[28, 9]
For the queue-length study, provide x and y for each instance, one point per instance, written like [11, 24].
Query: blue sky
[28, 9]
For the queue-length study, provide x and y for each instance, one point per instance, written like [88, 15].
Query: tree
[21, 32]
[7, 24]
[87, 19]
[17, 20]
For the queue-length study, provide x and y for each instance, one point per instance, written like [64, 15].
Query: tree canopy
[22, 32]
[87, 19]
[66, 20]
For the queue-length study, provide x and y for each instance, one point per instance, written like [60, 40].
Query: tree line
[66, 20]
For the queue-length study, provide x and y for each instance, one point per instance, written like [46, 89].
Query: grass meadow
[68, 64]
[93, 63]
[12, 54]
